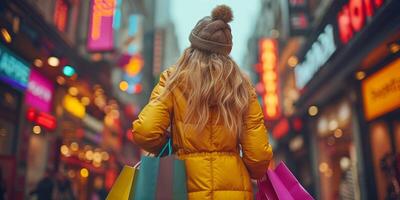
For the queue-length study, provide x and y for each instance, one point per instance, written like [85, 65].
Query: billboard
[101, 34]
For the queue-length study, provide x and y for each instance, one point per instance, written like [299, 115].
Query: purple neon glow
[100, 34]
[39, 93]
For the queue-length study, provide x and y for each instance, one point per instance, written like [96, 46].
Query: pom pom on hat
[222, 12]
[213, 34]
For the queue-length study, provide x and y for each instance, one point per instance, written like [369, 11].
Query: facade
[349, 115]
[166, 50]
[59, 109]
[338, 121]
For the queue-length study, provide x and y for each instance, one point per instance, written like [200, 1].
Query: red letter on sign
[378, 3]
[369, 8]
[357, 14]
[345, 29]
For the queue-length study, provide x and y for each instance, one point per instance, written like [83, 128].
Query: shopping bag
[282, 184]
[265, 189]
[161, 177]
[122, 188]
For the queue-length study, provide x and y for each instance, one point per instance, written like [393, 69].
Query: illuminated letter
[357, 16]
[345, 30]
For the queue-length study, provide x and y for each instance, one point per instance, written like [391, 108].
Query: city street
[75, 75]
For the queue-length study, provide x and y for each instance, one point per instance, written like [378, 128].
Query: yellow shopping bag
[123, 186]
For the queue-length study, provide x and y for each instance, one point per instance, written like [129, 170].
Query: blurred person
[100, 191]
[214, 113]
[99, 194]
[45, 188]
[63, 188]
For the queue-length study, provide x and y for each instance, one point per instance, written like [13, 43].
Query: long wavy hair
[211, 83]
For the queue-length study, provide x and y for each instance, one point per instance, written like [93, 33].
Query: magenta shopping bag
[281, 184]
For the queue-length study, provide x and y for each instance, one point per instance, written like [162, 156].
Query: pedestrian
[214, 114]
[45, 188]
[63, 188]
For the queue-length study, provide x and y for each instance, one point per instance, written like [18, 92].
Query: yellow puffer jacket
[214, 168]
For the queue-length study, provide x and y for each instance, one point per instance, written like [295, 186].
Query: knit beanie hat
[213, 34]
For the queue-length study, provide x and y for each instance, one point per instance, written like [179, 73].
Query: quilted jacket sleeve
[257, 152]
[149, 130]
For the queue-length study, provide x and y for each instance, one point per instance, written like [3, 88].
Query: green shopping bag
[161, 177]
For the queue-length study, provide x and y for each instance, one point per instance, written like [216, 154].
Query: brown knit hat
[213, 34]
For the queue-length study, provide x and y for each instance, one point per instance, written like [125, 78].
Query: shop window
[381, 148]
[336, 152]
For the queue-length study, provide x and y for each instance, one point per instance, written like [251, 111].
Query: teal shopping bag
[161, 177]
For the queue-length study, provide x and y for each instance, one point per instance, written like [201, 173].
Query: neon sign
[40, 92]
[61, 15]
[269, 77]
[41, 118]
[101, 25]
[320, 52]
[281, 129]
[13, 70]
[74, 106]
[353, 16]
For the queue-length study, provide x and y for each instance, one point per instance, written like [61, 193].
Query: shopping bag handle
[168, 145]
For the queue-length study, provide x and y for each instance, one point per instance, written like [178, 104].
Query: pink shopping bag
[281, 184]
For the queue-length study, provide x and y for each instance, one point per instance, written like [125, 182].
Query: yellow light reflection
[6, 35]
[123, 86]
[84, 172]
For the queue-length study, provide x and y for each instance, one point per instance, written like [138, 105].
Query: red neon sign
[281, 129]
[41, 118]
[353, 16]
[269, 78]
[61, 15]
[297, 124]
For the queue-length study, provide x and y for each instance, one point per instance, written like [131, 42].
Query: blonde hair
[211, 81]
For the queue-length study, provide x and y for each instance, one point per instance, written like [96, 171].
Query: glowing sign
[40, 92]
[117, 15]
[269, 77]
[101, 25]
[353, 16]
[74, 106]
[13, 70]
[320, 52]
[381, 91]
[61, 14]
[281, 129]
[41, 118]
[134, 66]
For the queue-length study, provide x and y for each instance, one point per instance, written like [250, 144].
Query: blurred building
[166, 50]
[336, 120]
[352, 56]
[62, 109]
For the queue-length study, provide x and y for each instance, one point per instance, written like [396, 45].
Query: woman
[214, 114]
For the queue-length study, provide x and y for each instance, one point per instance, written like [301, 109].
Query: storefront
[334, 148]
[381, 111]
[38, 132]
[346, 115]
[90, 139]
[14, 73]
[25, 121]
